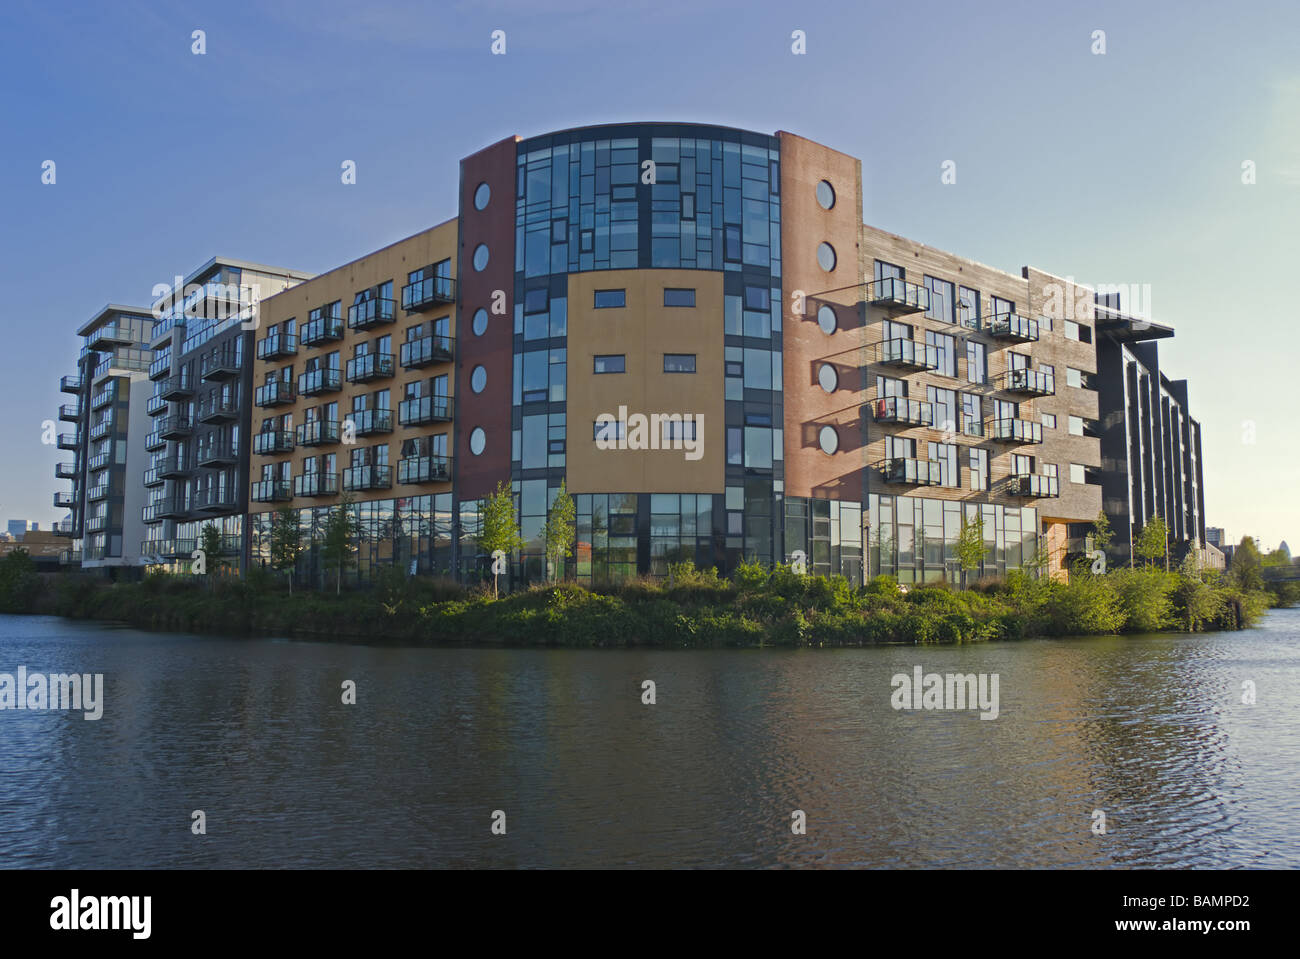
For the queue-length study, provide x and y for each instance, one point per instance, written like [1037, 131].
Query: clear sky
[1117, 168]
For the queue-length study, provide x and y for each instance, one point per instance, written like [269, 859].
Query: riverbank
[756, 607]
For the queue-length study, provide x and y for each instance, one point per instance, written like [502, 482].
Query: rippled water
[1151, 730]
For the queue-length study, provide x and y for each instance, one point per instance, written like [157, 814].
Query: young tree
[341, 529]
[286, 542]
[560, 528]
[499, 531]
[1102, 534]
[970, 546]
[210, 543]
[1246, 563]
[1153, 542]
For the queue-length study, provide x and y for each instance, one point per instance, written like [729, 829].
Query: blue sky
[1119, 168]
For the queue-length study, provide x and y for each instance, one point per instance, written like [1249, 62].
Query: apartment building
[1151, 444]
[109, 423]
[354, 395]
[692, 329]
[200, 405]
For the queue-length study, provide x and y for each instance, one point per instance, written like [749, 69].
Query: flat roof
[110, 309]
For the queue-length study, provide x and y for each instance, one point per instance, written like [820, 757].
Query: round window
[478, 379]
[826, 319]
[481, 256]
[828, 439]
[825, 195]
[477, 440]
[828, 378]
[825, 257]
[480, 321]
[483, 193]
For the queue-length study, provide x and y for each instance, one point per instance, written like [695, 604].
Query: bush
[20, 584]
[1144, 597]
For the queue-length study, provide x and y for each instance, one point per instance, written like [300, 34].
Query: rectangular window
[945, 345]
[976, 362]
[756, 298]
[979, 469]
[1073, 377]
[1076, 425]
[1071, 330]
[968, 307]
[945, 408]
[1077, 473]
[607, 299]
[1049, 421]
[942, 301]
[945, 454]
[613, 363]
[679, 362]
[679, 297]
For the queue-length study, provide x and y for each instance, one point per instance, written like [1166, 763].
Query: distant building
[1286, 550]
[17, 527]
[1215, 536]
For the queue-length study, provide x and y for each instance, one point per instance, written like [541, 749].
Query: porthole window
[477, 441]
[825, 195]
[825, 257]
[828, 378]
[828, 439]
[480, 321]
[826, 319]
[483, 193]
[478, 379]
[481, 257]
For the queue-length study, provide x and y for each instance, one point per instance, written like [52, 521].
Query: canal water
[1150, 731]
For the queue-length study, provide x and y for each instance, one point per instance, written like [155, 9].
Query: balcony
[269, 442]
[177, 387]
[1033, 484]
[153, 477]
[1012, 327]
[426, 350]
[909, 355]
[155, 405]
[173, 467]
[96, 524]
[1016, 431]
[160, 367]
[427, 293]
[98, 492]
[316, 484]
[171, 508]
[154, 441]
[175, 427]
[70, 384]
[318, 433]
[274, 393]
[103, 398]
[424, 469]
[110, 335]
[68, 557]
[897, 296]
[370, 366]
[912, 472]
[70, 412]
[425, 409]
[100, 460]
[214, 500]
[69, 441]
[370, 313]
[216, 454]
[66, 470]
[218, 409]
[370, 422]
[276, 346]
[271, 491]
[64, 501]
[168, 548]
[1029, 382]
[901, 410]
[219, 364]
[315, 382]
[101, 429]
[327, 329]
[367, 477]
